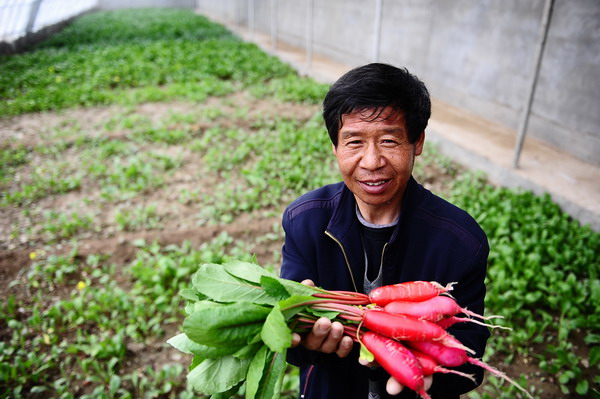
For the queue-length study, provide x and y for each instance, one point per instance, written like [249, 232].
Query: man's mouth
[374, 186]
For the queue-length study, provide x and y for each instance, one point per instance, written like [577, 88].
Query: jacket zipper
[381, 264]
[345, 257]
[308, 373]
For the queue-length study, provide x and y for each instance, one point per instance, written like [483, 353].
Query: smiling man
[379, 227]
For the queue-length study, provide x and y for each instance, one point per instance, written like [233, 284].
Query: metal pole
[251, 17]
[309, 33]
[535, 74]
[377, 29]
[274, 24]
[33, 11]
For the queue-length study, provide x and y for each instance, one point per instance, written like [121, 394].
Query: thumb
[393, 387]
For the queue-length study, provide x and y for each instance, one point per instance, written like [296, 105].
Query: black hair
[374, 87]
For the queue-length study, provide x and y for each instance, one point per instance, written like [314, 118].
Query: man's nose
[372, 158]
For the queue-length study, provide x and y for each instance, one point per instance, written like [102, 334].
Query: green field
[135, 145]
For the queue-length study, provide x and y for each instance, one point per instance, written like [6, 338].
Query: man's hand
[325, 336]
[393, 387]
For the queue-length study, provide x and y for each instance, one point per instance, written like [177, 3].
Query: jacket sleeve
[295, 267]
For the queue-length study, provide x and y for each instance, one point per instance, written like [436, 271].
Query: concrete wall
[478, 55]
[116, 4]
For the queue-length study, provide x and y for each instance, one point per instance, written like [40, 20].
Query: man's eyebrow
[345, 134]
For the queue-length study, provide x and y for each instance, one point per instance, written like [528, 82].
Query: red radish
[449, 357]
[430, 366]
[447, 322]
[413, 291]
[406, 328]
[433, 309]
[397, 360]
[454, 357]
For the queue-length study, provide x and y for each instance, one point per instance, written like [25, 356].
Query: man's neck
[379, 215]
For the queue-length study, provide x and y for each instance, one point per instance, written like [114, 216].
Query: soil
[21, 234]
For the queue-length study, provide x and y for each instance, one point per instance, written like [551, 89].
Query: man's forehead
[388, 116]
[375, 114]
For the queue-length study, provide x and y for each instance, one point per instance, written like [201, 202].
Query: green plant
[140, 218]
[543, 269]
[160, 54]
[10, 159]
[61, 226]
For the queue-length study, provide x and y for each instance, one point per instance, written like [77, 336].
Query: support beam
[274, 24]
[534, 77]
[33, 12]
[377, 30]
[310, 11]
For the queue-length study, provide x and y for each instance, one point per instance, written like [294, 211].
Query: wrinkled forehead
[372, 114]
[388, 115]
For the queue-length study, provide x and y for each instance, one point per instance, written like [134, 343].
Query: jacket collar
[344, 218]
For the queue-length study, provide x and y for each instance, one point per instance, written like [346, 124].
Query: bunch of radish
[404, 328]
[241, 319]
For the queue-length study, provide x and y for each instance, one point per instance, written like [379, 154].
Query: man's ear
[419, 144]
[334, 149]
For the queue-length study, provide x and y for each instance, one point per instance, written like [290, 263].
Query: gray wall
[478, 55]
[117, 4]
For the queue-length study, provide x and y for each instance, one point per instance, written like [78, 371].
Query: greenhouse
[149, 155]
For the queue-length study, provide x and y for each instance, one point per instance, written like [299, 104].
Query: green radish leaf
[183, 343]
[204, 305]
[247, 271]
[272, 381]
[218, 375]
[365, 354]
[293, 305]
[195, 362]
[275, 333]
[255, 372]
[274, 288]
[226, 324]
[229, 393]
[256, 339]
[216, 283]
[191, 295]
[248, 351]
[296, 288]
[186, 345]
[330, 314]
[189, 308]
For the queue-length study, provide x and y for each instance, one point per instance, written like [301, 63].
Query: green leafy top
[238, 327]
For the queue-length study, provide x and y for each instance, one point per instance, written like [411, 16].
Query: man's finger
[296, 339]
[393, 387]
[332, 341]
[314, 339]
[428, 380]
[345, 347]
[308, 282]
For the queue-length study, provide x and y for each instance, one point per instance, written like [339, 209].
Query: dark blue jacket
[433, 241]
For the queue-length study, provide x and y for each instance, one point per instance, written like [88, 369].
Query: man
[378, 227]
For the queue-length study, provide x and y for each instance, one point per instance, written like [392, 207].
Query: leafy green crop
[239, 324]
[108, 28]
[543, 271]
[160, 54]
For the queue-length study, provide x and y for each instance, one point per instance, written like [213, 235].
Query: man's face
[376, 160]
